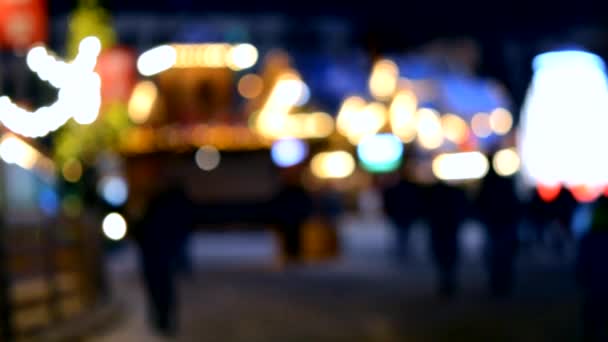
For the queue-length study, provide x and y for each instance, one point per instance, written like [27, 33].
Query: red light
[584, 193]
[548, 192]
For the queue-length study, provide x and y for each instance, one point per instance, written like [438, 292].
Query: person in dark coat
[161, 236]
[290, 208]
[500, 212]
[401, 205]
[592, 275]
[445, 209]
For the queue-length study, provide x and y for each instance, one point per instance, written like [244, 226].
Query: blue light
[380, 152]
[114, 190]
[48, 201]
[565, 59]
[288, 152]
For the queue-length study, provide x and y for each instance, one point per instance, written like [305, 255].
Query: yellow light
[114, 226]
[250, 86]
[403, 115]
[349, 109]
[501, 121]
[460, 166]
[307, 126]
[16, 151]
[288, 92]
[367, 121]
[72, 171]
[430, 133]
[384, 78]
[214, 56]
[480, 125]
[506, 162]
[454, 128]
[320, 125]
[336, 164]
[242, 56]
[142, 101]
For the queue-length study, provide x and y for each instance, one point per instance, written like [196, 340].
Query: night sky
[389, 26]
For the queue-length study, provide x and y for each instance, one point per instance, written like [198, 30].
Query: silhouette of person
[401, 205]
[445, 207]
[290, 208]
[160, 236]
[500, 212]
[592, 275]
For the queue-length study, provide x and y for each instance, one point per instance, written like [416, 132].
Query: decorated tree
[116, 69]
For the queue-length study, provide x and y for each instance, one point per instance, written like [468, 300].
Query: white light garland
[79, 92]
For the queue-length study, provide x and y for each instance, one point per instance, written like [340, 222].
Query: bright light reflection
[402, 114]
[114, 227]
[506, 162]
[157, 60]
[336, 164]
[384, 78]
[380, 152]
[142, 101]
[242, 56]
[288, 152]
[15, 151]
[430, 132]
[460, 166]
[455, 128]
[501, 121]
[564, 121]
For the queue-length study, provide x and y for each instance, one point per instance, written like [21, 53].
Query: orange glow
[384, 78]
[402, 114]
[250, 86]
[584, 193]
[548, 193]
[455, 128]
[480, 124]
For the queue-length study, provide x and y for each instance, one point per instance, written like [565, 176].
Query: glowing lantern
[564, 123]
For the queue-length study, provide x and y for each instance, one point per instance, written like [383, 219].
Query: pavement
[238, 292]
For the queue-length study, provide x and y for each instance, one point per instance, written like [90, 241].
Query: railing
[50, 274]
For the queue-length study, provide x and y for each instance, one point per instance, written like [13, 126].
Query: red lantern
[584, 193]
[116, 68]
[22, 23]
[548, 192]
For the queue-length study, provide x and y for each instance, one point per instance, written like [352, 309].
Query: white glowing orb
[114, 226]
[79, 91]
[564, 131]
[335, 164]
[157, 60]
[460, 166]
[242, 56]
[380, 152]
[114, 190]
[15, 151]
[506, 162]
[207, 158]
[288, 152]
